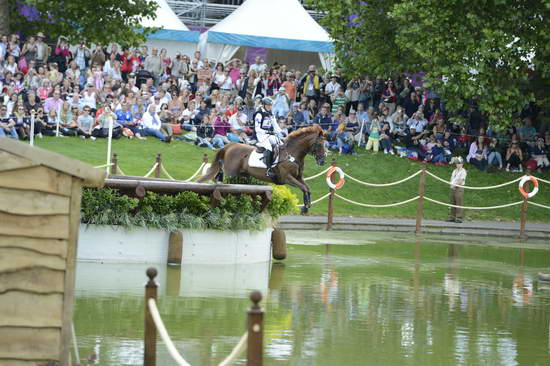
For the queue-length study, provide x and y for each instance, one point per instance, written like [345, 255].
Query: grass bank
[182, 159]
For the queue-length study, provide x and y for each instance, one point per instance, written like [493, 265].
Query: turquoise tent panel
[270, 42]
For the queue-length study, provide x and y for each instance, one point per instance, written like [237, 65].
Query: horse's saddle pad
[256, 160]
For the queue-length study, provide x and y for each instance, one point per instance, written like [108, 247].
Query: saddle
[257, 157]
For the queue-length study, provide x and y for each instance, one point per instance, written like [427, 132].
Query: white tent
[174, 35]
[278, 25]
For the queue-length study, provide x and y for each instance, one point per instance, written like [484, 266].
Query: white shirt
[458, 177]
[151, 121]
[237, 122]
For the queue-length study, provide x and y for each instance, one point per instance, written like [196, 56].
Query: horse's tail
[214, 168]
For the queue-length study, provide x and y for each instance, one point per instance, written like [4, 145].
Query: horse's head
[318, 149]
[310, 140]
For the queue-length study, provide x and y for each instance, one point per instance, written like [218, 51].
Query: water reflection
[383, 304]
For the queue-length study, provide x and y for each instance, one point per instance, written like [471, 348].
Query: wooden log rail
[138, 186]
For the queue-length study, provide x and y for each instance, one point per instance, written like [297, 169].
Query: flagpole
[110, 139]
[32, 130]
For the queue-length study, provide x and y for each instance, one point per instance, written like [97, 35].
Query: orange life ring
[525, 179]
[341, 181]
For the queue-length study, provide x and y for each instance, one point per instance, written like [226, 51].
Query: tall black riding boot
[268, 159]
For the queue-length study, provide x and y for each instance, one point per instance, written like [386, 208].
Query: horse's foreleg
[304, 188]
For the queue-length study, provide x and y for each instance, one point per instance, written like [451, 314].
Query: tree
[93, 21]
[480, 51]
[364, 36]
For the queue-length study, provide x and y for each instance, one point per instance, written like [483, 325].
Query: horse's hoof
[304, 210]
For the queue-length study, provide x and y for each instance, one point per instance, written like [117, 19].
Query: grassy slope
[182, 159]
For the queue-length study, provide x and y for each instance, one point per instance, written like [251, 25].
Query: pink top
[234, 74]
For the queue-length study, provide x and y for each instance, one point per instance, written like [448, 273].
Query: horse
[232, 160]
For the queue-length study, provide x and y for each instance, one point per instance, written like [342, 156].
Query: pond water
[381, 303]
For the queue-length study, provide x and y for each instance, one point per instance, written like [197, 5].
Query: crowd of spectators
[79, 91]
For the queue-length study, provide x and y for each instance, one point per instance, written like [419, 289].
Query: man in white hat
[458, 178]
[42, 50]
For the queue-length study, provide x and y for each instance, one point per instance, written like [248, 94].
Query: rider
[268, 133]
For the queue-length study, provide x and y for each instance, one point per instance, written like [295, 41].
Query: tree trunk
[4, 17]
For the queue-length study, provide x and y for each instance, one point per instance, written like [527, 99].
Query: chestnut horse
[232, 161]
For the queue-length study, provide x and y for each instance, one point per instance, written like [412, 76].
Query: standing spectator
[42, 50]
[332, 87]
[82, 56]
[281, 104]
[311, 84]
[259, 66]
[389, 96]
[458, 178]
[290, 86]
[98, 56]
[374, 136]
[153, 63]
[527, 133]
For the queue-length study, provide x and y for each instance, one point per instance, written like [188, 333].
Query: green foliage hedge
[186, 210]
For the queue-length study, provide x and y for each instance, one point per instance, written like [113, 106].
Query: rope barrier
[196, 173]
[317, 175]
[164, 334]
[317, 200]
[103, 166]
[542, 180]
[469, 187]
[473, 208]
[151, 171]
[239, 348]
[538, 205]
[165, 172]
[376, 206]
[383, 184]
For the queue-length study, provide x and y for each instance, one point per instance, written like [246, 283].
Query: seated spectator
[494, 157]
[221, 127]
[105, 119]
[239, 131]
[477, 154]
[449, 142]
[323, 119]
[527, 134]
[437, 153]
[125, 118]
[417, 122]
[85, 124]
[55, 102]
[205, 135]
[514, 157]
[186, 122]
[540, 154]
[399, 119]
[412, 143]
[22, 121]
[151, 125]
[411, 104]
[166, 119]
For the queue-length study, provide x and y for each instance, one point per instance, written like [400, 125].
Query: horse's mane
[304, 131]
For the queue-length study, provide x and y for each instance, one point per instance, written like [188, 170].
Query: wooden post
[205, 158]
[255, 331]
[150, 337]
[523, 220]
[330, 211]
[114, 167]
[523, 212]
[159, 162]
[420, 204]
